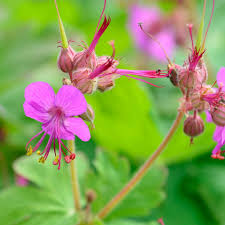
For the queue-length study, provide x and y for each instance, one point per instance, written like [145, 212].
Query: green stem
[74, 178]
[142, 171]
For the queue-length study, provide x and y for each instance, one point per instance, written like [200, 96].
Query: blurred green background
[131, 119]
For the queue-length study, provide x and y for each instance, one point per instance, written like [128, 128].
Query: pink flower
[152, 23]
[56, 113]
[21, 181]
[219, 134]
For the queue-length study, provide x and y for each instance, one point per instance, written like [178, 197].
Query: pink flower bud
[90, 196]
[193, 126]
[218, 115]
[198, 103]
[189, 79]
[83, 60]
[80, 79]
[89, 115]
[65, 59]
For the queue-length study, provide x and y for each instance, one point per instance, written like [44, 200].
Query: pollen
[29, 151]
[56, 160]
[41, 160]
[38, 152]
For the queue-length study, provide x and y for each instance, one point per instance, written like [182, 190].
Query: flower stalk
[142, 171]
[74, 178]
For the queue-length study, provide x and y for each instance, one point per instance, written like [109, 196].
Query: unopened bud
[191, 79]
[80, 79]
[218, 115]
[90, 196]
[66, 81]
[193, 126]
[173, 75]
[198, 103]
[83, 60]
[89, 115]
[65, 59]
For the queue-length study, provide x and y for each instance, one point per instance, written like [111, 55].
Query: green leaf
[112, 174]
[122, 120]
[130, 222]
[50, 199]
[208, 182]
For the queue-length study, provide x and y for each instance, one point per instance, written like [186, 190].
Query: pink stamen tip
[72, 156]
[55, 163]
[214, 156]
[67, 159]
[161, 221]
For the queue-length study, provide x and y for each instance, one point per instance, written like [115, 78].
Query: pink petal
[35, 114]
[78, 127]
[221, 77]
[71, 100]
[167, 40]
[147, 16]
[208, 117]
[219, 135]
[40, 95]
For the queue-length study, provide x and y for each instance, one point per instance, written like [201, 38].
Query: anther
[41, 160]
[29, 151]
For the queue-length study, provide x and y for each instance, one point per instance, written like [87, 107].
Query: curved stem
[142, 171]
[74, 178]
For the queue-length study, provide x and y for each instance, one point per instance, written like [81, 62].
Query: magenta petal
[219, 135]
[40, 96]
[78, 127]
[71, 100]
[217, 149]
[221, 77]
[167, 40]
[208, 117]
[35, 114]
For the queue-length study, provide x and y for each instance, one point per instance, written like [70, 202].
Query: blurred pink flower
[153, 23]
[56, 113]
[21, 181]
[219, 134]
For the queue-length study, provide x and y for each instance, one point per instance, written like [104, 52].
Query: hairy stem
[142, 171]
[74, 178]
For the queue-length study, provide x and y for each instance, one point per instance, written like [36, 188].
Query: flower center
[56, 112]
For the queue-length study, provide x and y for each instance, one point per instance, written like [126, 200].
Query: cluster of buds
[89, 72]
[199, 97]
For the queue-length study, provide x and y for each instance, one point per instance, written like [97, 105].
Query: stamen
[103, 10]
[33, 138]
[190, 26]
[41, 160]
[56, 160]
[38, 152]
[29, 151]
[67, 159]
[161, 221]
[72, 156]
[97, 36]
[158, 42]
[203, 44]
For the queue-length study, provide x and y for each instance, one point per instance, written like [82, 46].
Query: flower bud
[218, 115]
[198, 103]
[191, 79]
[89, 115]
[83, 60]
[80, 79]
[193, 126]
[90, 196]
[65, 59]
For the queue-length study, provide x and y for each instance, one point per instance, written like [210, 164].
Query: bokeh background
[131, 119]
